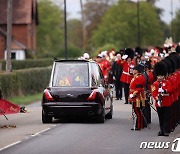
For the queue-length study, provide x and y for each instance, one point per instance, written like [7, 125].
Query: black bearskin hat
[173, 62]
[139, 68]
[148, 65]
[176, 57]
[160, 49]
[168, 64]
[160, 68]
[178, 49]
[139, 51]
[130, 53]
[121, 51]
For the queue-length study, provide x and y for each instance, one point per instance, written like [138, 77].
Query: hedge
[28, 63]
[24, 82]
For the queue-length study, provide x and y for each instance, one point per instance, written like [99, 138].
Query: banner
[8, 108]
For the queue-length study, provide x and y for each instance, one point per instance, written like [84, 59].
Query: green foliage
[28, 63]
[74, 51]
[24, 82]
[176, 27]
[24, 100]
[50, 29]
[119, 26]
[93, 12]
[166, 30]
[50, 32]
[75, 36]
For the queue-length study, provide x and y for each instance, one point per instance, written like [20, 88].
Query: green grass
[25, 100]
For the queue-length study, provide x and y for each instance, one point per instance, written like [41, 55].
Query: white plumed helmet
[86, 55]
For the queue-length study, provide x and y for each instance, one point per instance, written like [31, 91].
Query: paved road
[79, 136]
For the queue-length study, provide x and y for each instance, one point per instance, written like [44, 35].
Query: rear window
[71, 75]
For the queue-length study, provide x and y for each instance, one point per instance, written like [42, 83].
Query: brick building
[24, 21]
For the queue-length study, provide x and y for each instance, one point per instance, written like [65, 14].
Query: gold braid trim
[142, 100]
[138, 102]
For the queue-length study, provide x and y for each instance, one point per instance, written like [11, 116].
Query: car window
[95, 75]
[71, 74]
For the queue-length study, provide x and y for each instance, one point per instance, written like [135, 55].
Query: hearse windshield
[71, 74]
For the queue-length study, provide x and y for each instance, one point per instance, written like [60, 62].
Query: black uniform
[117, 72]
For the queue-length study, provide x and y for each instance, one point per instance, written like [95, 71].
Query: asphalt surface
[79, 136]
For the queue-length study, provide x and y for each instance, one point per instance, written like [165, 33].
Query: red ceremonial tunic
[150, 79]
[105, 67]
[171, 80]
[126, 77]
[166, 85]
[178, 82]
[137, 89]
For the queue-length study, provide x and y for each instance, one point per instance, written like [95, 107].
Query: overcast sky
[73, 8]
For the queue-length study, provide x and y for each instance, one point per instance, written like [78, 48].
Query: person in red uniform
[154, 56]
[128, 64]
[105, 65]
[161, 89]
[173, 62]
[99, 60]
[171, 79]
[178, 72]
[174, 59]
[136, 96]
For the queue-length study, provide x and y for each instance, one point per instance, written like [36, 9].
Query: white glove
[114, 78]
[131, 96]
[124, 57]
[160, 90]
[159, 103]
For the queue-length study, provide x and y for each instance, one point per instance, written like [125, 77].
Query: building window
[13, 55]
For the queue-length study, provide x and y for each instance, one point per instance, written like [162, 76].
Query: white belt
[126, 73]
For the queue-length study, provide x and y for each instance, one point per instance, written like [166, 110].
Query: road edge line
[10, 145]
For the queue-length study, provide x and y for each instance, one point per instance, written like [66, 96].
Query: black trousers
[126, 91]
[118, 88]
[164, 114]
[147, 112]
[179, 110]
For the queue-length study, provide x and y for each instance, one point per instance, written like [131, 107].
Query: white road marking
[38, 133]
[10, 145]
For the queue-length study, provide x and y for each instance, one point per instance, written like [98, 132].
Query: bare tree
[93, 11]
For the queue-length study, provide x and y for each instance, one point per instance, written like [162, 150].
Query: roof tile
[21, 11]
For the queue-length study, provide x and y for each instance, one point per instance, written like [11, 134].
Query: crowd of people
[148, 77]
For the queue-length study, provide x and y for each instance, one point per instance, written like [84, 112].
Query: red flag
[8, 108]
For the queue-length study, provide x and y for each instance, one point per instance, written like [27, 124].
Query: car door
[107, 92]
[102, 88]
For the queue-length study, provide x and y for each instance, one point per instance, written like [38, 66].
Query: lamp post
[83, 26]
[138, 21]
[138, 25]
[65, 31]
[172, 18]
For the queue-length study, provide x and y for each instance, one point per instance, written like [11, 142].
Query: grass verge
[25, 100]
